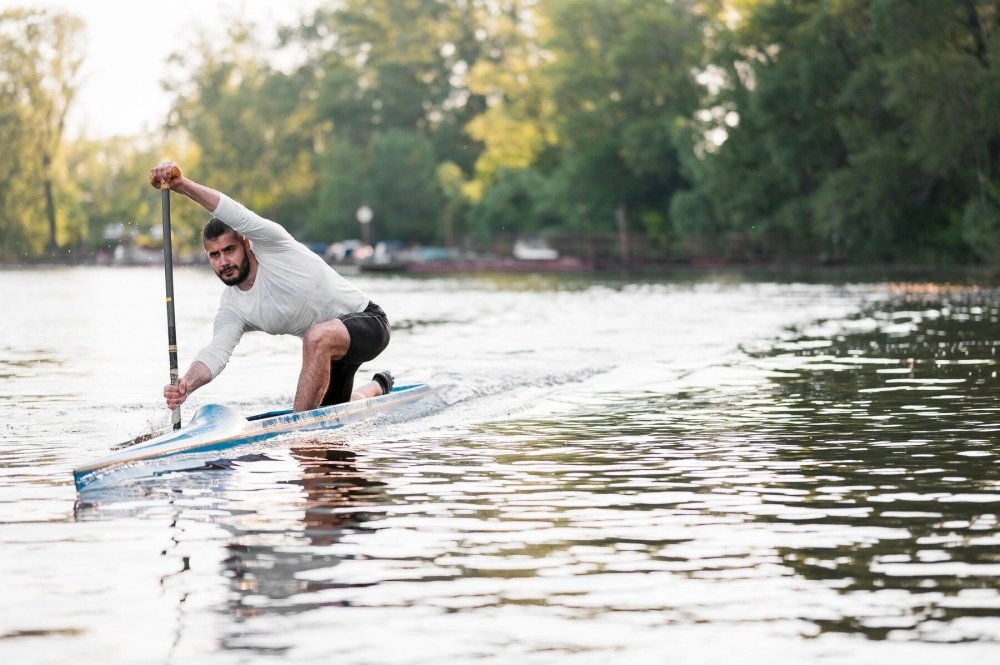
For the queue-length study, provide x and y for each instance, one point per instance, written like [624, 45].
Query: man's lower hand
[175, 394]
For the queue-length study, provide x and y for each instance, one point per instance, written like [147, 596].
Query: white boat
[215, 427]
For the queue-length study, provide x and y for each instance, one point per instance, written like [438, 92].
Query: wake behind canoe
[216, 427]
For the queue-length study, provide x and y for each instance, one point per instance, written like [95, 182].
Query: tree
[624, 88]
[343, 174]
[857, 130]
[516, 127]
[407, 199]
[940, 72]
[42, 55]
[390, 75]
[107, 189]
[19, 171]
[250, 122]
[515, 203]
[785, 69]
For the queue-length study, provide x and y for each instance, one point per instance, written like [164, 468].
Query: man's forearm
[206, 197]
[197, 375]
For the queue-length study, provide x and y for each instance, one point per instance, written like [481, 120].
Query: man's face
[229, 258]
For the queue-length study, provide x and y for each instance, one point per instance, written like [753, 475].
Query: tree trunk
[50, 205]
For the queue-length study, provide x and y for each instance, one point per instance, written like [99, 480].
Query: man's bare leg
[322, 343]
[370, 389]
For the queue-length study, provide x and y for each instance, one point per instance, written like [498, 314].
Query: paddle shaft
[168, 269]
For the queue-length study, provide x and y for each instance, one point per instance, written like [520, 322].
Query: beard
[241, 274]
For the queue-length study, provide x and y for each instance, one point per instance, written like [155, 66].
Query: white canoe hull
[216, 427]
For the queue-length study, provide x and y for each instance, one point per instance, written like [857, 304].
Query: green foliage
[247, 120]
[846, 130]
[20, 200]
[864, 126]
[407, 202]
[624, 91]
[980, 227]
[516, 203]
[451, 180]
[40, 57]
[344, 185]
[516, 127]
[110, 191]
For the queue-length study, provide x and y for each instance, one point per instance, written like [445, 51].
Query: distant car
[348, 251]
[388, 251]
[424, 254]
[531, 248]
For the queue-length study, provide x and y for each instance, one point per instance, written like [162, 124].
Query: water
[625, 472]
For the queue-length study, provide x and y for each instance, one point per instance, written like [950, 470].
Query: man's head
[228, 252]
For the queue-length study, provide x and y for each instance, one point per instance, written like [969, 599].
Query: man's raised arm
[170, 174]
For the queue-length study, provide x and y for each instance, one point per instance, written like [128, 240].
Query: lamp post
[365, 216]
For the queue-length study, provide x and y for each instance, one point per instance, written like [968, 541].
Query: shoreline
[752, 271]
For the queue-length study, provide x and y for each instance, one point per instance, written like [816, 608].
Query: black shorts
[369, 331]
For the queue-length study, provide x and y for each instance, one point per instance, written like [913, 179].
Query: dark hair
[216, 228]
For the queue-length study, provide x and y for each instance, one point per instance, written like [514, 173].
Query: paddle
[168, 269]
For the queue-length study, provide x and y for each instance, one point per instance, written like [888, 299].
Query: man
[277, 285]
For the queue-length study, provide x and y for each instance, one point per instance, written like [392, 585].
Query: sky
[127, 45]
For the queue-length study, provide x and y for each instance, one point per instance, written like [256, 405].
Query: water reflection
[852, 462]
[276, 524]
[338, 497]
[887, 424]
[271, 568]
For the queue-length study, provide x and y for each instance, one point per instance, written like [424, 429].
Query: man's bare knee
[329, 338]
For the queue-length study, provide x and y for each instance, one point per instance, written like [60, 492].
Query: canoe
[216, 427]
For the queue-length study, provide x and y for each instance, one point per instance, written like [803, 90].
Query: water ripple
[809, 472]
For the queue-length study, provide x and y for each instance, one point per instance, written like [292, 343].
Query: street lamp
[365, 216]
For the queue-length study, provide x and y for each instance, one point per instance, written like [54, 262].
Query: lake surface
[698, 469]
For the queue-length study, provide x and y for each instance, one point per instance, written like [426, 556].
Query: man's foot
[385, 379]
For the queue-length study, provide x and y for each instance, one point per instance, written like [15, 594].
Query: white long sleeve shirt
[294, 288]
